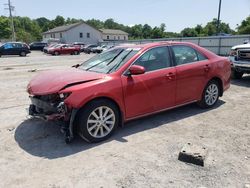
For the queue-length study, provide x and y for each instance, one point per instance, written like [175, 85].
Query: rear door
[192, 70]
[17, 48]
[153, 90]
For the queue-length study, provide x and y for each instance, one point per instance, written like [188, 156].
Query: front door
[153, 90]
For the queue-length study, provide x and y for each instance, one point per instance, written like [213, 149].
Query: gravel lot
[144, 153]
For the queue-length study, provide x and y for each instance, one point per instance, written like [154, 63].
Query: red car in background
[64, 49]
[128, 82]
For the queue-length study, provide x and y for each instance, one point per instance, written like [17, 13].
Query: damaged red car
[125, 83]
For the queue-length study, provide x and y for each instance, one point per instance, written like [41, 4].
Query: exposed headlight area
[63, 96]
[49, 106]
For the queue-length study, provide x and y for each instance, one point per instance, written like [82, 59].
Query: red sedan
[64, 49]
[128, 82]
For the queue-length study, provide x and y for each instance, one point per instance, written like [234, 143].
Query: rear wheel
[23, 54]
[97, 121]
[236, 75]
[210, 95]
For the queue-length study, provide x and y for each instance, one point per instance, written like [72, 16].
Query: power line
[11, 8]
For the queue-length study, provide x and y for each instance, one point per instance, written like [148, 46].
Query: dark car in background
[80, 44]
[88, 48]
[14, 48]
[38, 45]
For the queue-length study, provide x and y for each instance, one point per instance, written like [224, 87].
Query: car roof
[146, 46]
[154, 44]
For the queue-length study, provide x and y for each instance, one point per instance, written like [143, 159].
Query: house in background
[113, 35]
[82, 32]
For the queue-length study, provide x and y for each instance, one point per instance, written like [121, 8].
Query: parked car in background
[38, 45]
[80, 44]
[128, 82]
[88, 48]
[99, 49]
[240, 58]
[46, 48]
[14, 48]
[64, 49]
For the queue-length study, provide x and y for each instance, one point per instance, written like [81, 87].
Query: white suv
[240, 58]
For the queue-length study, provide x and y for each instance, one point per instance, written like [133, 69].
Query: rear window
[186, 54]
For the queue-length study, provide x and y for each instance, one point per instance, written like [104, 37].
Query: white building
[113, 35]
[82, 32]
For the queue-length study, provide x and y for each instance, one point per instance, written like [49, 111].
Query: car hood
[49, 82]
[241, 46]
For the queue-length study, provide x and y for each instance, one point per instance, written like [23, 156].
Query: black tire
[85, 115]
[203, 103]
[56, 53]
[0, 55]
[23, 54]
[236, 75]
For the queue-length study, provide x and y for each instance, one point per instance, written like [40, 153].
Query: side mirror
[136, 69]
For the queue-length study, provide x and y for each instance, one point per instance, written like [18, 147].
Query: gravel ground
[144, 153]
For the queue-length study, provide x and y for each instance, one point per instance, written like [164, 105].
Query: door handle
[170, 76]
[207, 68]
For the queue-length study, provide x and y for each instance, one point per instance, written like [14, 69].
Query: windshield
[109, 61]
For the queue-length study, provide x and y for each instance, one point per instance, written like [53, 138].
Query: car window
[8, 46]
[17, 45]
[186, 54]
[154, 59]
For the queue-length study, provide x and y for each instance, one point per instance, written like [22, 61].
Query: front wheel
[236, 75]
[210, 95]
[97, 121]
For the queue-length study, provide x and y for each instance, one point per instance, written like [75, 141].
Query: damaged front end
[49, 107]
[52, 107]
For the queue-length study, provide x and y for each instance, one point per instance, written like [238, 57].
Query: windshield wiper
[96, 64]
[112, 59]
[117, 65]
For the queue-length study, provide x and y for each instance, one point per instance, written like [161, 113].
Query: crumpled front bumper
[47, 110]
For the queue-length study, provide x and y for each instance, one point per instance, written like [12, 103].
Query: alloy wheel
[101, 122]
[211, 94]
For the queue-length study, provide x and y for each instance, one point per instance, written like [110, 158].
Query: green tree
[146, 31]
[95, 23]
[157, 33]
[211, 28]
[59, 21]
[189, 32]
[43, 23]
[5, 31]
[244, 27]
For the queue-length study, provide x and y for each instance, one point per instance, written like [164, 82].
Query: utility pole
[11, 8]
[218, 20]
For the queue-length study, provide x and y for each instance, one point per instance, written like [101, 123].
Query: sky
[176, 14]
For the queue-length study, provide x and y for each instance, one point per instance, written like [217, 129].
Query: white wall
[73, 35]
